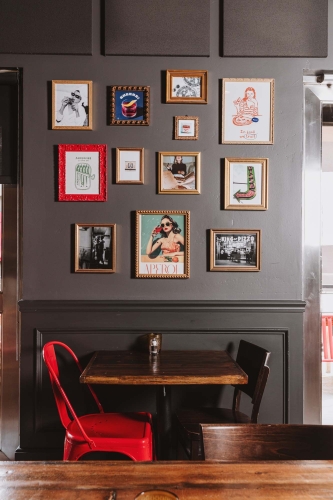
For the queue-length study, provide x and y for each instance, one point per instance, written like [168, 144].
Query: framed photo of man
[95, 248]
[72, 105]
[235, 249]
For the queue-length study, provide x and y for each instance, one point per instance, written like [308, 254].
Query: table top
[292, 480]
[169, 368]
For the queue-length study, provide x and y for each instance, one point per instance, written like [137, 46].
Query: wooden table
[167, 369]
[296, 480]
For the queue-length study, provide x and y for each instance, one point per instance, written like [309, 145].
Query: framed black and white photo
[179, 172]
[235, 249]
[186, 86]
[246, 184]
[95, 248]
[186, 128]
[72, 105]
[130, 166]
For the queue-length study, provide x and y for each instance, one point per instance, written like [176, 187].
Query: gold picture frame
[162, 244]
[129, 105]
[246, 183]
[186, 128]
[186, 86]
[72, 105]
[129, 165]
[235, 250]
[179, 172]
[95, 248]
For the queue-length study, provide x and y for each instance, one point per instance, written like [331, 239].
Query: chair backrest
[327, 338]
[245, 442]
[253, 361]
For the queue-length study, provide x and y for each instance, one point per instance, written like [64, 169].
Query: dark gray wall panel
[280, 28]
[46, 27]
[157, 27]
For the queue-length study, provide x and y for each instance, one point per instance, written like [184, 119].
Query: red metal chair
[127, 433]
[327, 338]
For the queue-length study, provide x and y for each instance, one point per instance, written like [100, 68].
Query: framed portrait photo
[95, 248]
[130, 105]
[130, 166]
[82, 172]
[72, 105]
[178, 173]
[162, 244]
[235, 249]
[186, 128]
[248, 111]
[186, 86]
[246, 184]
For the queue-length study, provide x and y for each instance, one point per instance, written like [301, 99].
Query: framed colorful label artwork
[186, 128]
[186, 86]
[82, 172]
[162, 244]
[246, 184]
[130, 166]
[235, 249]
[248, 111]
[179, 173]
[95, 248]
[72, 105]
[130, 105]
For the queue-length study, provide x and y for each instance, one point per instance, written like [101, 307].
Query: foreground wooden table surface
[194, 481]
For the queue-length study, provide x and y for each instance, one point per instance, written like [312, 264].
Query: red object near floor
[327, 338]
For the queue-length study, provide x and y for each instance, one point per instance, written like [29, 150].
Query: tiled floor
[327, 408]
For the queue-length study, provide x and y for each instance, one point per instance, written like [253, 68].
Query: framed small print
[130, 105]
[95, 248]
[130, 166]
[186, 86]
[162, 244]
[186, 128]
[179, 173]
[246, 184]
[72, 105]
[248, 111]
[82, 172]
[235, 249]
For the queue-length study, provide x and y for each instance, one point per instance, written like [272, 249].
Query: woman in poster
[247, 107]
[170, 242]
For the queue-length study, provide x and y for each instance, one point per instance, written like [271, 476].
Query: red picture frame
[82, 172]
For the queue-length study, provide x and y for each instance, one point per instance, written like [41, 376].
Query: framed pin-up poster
[246, 184]
[248, 111]
[72, 105]
[95, 248]
[82, 172]
[162, 244]
[235, 249]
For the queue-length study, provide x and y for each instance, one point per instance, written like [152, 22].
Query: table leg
[163, 421]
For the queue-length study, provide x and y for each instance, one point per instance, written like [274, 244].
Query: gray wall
[47, 224]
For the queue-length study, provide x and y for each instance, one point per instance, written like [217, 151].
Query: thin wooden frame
[84, 172]
[186, 137]
[119, 179]
[248, 127]
[171, 180]
[116, 107]
[83, 260]
[231, 258]
[186, 89]
[161, 266]
[88, 107]
[250, 191]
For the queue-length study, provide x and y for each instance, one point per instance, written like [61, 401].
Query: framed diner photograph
[72, 105]
[82, 172]
[95, 248]
[235, 249]
[248, 111]
[130, 166]
[129, 105]
[186, 128]
[178, 173]
[246, 183]
[162, 244]
[186, 86]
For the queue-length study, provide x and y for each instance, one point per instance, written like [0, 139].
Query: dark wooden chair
[253, 361]
[267, 442]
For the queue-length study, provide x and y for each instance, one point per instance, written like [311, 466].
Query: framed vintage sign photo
[129, 105]
[186, 128]
[130, 166]
[179, 173]
[162, 244]
[246, 184]
[72, 105]
[186, 86]
[95, 248]
[235, 249]
[248, 111]
[82, 172]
